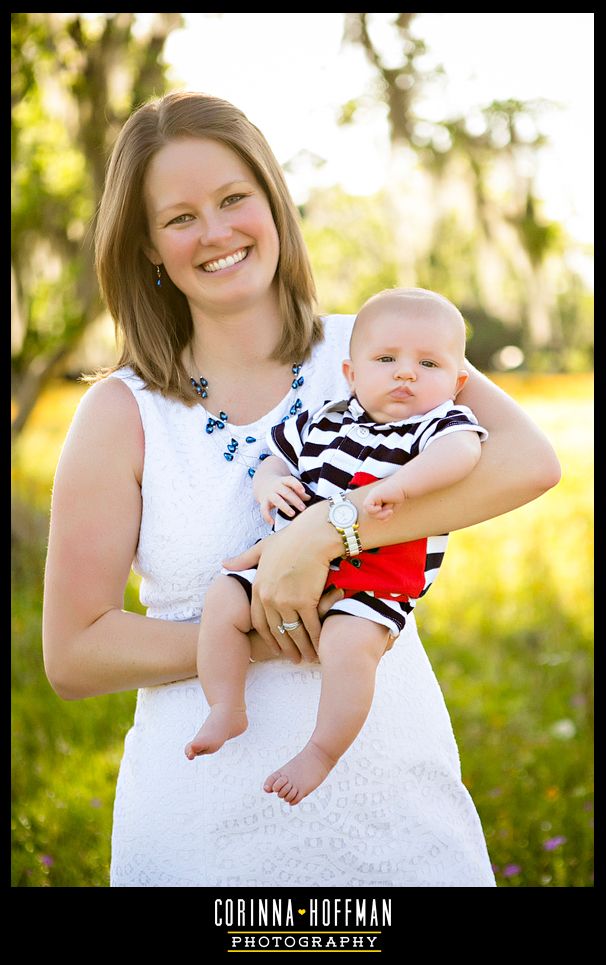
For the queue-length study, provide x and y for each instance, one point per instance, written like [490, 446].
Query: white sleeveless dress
[392, 813]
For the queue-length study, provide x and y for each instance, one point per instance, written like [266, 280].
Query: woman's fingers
[289, 647]
[260, 623]
[327, 599]
[259, 650]
[295, 644]
[290, 579]
[312, 626]
[298, 627]
[266, 621]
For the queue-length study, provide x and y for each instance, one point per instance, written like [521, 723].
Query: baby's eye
[429, 364]
[386, 358]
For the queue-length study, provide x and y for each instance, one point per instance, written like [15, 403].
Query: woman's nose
[214, 231]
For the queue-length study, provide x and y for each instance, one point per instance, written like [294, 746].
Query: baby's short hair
[419, 298]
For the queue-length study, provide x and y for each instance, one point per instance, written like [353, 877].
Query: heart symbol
[301, 911]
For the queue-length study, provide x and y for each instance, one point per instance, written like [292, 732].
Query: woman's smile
[225, 261]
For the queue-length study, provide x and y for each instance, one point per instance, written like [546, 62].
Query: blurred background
[447, 151]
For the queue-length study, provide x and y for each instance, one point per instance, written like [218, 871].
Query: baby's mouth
[402, 392]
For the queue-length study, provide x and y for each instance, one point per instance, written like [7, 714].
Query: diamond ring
[289, 626]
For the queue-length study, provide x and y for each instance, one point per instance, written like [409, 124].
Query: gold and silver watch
[344, 517]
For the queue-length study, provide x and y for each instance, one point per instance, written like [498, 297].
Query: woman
[202, 264]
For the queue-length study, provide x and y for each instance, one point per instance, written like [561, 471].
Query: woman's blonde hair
[154, 323]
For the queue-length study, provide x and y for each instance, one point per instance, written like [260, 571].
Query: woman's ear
[152, 255]
[348, 372]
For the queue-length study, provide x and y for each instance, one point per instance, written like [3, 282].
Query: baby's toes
[275, 781]
[286, 789]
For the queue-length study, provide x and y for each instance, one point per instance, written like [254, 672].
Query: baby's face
[406, 359]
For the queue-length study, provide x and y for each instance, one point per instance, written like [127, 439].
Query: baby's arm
[275, 488]
[444, 462]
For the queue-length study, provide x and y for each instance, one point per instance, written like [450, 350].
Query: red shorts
[394, 572]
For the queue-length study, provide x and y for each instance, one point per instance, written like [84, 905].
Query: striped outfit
[340, 448]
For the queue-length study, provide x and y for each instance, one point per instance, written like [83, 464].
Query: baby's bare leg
[350, 650]
[223, 661]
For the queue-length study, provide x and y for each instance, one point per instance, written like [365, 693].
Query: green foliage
[357, 247]
[507, 627]
[487, 157]
[350, 241]
[75, 80]
[516, 662]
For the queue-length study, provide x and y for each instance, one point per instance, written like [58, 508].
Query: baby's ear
[461, 380]
[348, 372]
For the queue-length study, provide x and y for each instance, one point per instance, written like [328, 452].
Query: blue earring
[159, 277]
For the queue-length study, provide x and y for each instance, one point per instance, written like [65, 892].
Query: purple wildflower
[47, 860]
[510, 870]
[552, 843]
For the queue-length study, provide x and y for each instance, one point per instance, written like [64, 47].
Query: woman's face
[210, 226]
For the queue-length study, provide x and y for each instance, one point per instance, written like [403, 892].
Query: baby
[399, 426]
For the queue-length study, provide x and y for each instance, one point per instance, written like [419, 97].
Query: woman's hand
[288, 588]
[261, 650]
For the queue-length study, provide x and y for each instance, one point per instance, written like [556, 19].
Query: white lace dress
[392, 813]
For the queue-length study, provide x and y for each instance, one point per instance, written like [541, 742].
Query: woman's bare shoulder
[109, 392]
[108, 419]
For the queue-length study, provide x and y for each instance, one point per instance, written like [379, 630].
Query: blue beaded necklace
[235, 449]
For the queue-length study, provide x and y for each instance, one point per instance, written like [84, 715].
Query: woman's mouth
[226, 262]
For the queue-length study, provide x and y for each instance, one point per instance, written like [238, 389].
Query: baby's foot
[302, 775]
[222, 723]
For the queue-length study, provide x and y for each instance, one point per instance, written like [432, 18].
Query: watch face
[343, 515]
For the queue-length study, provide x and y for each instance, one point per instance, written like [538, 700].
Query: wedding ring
[289, 626]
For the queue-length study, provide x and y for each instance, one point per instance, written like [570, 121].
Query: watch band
[349, 534]
[351, 540]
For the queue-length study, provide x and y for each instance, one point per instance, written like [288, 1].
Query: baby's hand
[285, 493]
[378, 508]
[382, 499]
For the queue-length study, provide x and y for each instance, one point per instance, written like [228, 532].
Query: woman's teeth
[226, 262]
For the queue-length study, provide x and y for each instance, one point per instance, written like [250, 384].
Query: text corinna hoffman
[314, 912]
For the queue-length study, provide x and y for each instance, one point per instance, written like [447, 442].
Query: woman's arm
[517, 465]
[91, 645]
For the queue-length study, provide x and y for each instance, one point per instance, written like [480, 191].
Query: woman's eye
[233, 198]
[179, 219]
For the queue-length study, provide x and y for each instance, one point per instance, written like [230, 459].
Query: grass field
[508, 628]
